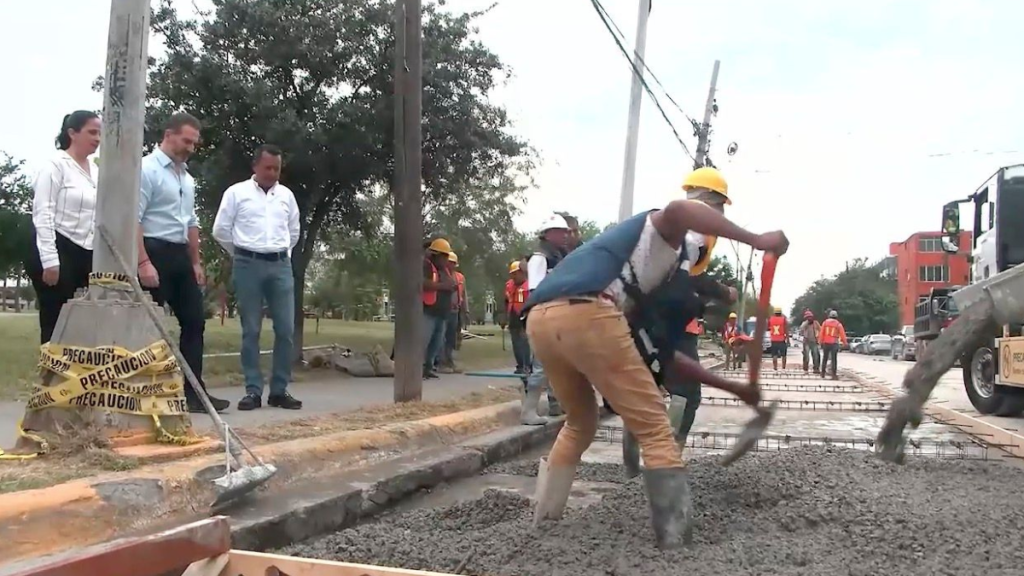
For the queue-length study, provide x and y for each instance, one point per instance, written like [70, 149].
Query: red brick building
[922, 265]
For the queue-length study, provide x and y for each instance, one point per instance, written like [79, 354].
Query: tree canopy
[15, 216]
[862, 294]
[317, 80]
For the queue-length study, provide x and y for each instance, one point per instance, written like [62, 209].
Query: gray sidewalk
[321, 394]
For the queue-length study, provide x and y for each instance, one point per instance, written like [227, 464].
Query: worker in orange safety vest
[455, 321]
[777, 327]
[730, 332]
[832, 334]
[516, 292]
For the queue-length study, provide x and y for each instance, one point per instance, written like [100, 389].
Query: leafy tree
[315, 77]
[15, 220]
[864, 296]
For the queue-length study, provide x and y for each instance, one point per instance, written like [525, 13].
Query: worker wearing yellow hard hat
[457, 317]
[577, 324]
[516, 293]
[439, 287]
[706, 185]
[730, 334]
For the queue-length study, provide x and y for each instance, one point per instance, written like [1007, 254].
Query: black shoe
[250, 402]
[430, 375]
[519, 370]
[284, 400]
[195, 406]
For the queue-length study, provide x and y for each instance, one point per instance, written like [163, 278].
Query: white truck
[993, 369]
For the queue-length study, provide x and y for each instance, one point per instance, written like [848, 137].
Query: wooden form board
[258, 564]
[201, 548]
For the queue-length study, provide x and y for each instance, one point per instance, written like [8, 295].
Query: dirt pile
[809, 511]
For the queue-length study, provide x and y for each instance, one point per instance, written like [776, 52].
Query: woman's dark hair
[75, 121]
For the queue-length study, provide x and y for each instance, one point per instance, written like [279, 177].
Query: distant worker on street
[809, 330]
[439, 288]
[454, 323]
[555, 235]
[832, 334]
[777, 327]
[730, 334]
[577, 324]
[516, 292]
[258, 225]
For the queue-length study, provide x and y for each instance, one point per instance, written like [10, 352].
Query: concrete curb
[171, 475]
[294, 517]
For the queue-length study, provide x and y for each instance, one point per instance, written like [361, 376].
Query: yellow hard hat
[513, 267]
[778, 310]
[709, 178]
[732, 315]
[453, 257]
[440, 245]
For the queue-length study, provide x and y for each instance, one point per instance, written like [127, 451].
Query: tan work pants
[590, 342]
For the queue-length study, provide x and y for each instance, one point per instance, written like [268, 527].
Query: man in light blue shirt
[169, 263]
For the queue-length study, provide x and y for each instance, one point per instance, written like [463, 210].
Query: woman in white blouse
[63, 217]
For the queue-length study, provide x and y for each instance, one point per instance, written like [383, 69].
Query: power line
[607, 24]
[646, 67]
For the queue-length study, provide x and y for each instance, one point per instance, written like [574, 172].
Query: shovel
[755, 429]
[239, 478]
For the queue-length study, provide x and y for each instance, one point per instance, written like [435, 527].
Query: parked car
[851, 344]
[877, 344]
[903, 345]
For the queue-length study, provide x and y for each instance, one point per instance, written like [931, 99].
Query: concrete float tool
[755, 428]
[239, 478]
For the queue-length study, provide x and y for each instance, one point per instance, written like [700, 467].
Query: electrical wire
[646, 67]
[605, 18]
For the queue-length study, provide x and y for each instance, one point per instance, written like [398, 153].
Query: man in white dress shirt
[258, 224]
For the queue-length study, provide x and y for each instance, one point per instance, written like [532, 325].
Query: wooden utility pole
[409, 345]
[705, 128]
[635, 99]
[124, 111]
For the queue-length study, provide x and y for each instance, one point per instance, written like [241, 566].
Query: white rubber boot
[528, 415]
[676, 411]
[553, 486]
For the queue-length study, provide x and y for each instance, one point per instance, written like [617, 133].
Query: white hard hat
[553, 222]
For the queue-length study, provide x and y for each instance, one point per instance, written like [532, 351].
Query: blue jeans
[433, 339]
[258, 281]
[537, 378]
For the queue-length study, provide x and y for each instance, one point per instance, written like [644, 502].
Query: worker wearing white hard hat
[555, 235]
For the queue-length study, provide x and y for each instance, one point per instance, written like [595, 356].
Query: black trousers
[829, 353]
[75, 267]
[179, 289]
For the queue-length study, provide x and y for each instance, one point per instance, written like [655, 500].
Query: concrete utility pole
[409, 345]
[705, 127]
[124, 111]
[635, 98]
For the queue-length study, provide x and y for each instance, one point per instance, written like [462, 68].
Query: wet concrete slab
[584, 493]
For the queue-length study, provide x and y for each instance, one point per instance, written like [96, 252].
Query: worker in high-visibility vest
[454, 322]
[438, 290]
[832, 334]
[516, 292]
[706, 185]
[730, 332]
[777, 331]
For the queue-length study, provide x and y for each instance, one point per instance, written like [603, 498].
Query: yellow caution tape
[97, 378]
[110, 280]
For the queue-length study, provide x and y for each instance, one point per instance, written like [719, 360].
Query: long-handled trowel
[755, 428]
[239, 478]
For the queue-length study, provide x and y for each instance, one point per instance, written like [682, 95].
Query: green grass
[19, 352]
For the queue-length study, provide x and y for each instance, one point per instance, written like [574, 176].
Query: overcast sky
[855, 121]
